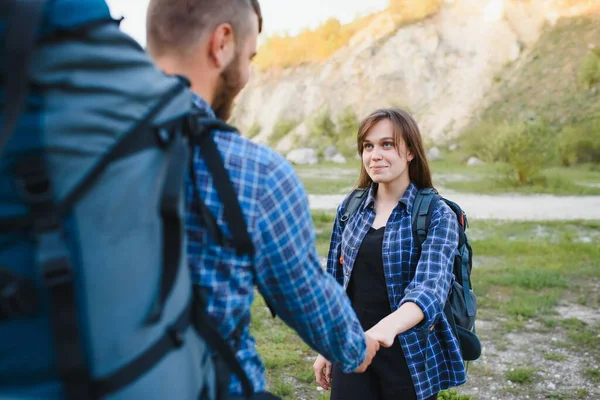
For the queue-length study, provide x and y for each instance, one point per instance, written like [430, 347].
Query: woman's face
[385, 163]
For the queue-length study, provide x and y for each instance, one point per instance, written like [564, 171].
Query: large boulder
[302, 156]
[474, 161]
[434, 154]
[338, 159]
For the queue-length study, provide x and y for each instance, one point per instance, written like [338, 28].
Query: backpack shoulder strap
[20, 39]
[356, 198]
[423, 206]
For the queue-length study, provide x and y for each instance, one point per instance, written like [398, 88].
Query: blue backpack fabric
[461, 307]
[95, 294]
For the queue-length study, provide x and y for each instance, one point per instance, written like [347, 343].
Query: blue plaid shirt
[285, 267]
[433, 357]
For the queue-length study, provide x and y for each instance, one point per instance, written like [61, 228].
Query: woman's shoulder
[442, 211]
[354, 193]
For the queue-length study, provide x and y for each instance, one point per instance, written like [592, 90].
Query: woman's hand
[322, 369]
[401, 320]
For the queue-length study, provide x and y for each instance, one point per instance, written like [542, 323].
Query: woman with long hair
[397, 288]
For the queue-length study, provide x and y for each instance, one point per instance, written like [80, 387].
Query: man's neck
[200, 86]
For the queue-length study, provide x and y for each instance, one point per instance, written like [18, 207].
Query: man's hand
[322, 369]
[372, 348]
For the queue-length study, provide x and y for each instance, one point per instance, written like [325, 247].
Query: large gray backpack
[95, 296]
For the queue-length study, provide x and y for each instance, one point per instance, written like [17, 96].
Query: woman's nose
[376, 154]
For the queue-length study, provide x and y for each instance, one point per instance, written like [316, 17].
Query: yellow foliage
[319, 44]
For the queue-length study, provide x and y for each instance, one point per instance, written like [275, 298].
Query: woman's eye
[387, 145]
[368, 146]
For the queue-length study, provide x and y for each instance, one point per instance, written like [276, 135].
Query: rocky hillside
[445, 69]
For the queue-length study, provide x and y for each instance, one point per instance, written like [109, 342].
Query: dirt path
[504, 207]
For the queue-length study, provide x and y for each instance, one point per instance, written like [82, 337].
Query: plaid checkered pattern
[433, 357]
[285, 268]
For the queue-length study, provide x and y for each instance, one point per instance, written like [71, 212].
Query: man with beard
[212, 43]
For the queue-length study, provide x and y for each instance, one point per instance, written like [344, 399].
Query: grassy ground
[538, 288]
[452, 173]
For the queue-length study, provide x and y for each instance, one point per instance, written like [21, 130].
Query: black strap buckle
[176, 336]
[33, 182]
[57, 272]
[18, 296]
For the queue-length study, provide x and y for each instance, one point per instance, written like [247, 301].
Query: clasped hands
[382, 334]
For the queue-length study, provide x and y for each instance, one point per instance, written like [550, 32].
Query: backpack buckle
[176, 336]
[18, 296]
[33, 182]
[57, 272]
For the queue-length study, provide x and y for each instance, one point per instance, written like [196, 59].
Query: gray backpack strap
[421, 213]
[357, 197]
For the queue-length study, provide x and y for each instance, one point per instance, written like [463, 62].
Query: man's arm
[290, 277]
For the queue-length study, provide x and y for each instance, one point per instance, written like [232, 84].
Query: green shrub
[589, 71]
[280, 130]
[580, 143]
[347, 124]
[321, 132]
[528, 148]
[525, 147]
[253, 131]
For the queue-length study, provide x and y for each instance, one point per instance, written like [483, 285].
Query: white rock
[329, 152]
[434, 154]
[453, 147]
[319, 389]
[551, 386]
[302, 156]
[474, 161]
[338, 159]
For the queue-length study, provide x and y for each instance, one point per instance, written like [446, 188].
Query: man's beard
[227, 90]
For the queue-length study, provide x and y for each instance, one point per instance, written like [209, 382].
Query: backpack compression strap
[20, 39]
[357, 197]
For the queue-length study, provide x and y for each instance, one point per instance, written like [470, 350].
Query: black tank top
[367, 288]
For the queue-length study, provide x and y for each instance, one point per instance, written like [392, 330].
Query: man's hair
[176, 25]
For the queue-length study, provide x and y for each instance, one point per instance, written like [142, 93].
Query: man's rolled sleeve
[290, 277]
[433, 276]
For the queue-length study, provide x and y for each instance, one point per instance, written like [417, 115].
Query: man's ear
[222, 45]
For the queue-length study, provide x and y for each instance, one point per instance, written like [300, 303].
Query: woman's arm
[425, 296]
[407, 316]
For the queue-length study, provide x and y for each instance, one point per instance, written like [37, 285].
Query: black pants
[387, 378]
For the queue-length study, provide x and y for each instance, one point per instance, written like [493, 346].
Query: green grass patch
[330, 178]
[521, 375]
[582, 393]
[546, 183]
[593, 374]
[453, 395]
[555, 357]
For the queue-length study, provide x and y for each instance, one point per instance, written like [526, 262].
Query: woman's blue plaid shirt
[285, 267]
[433, 356]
